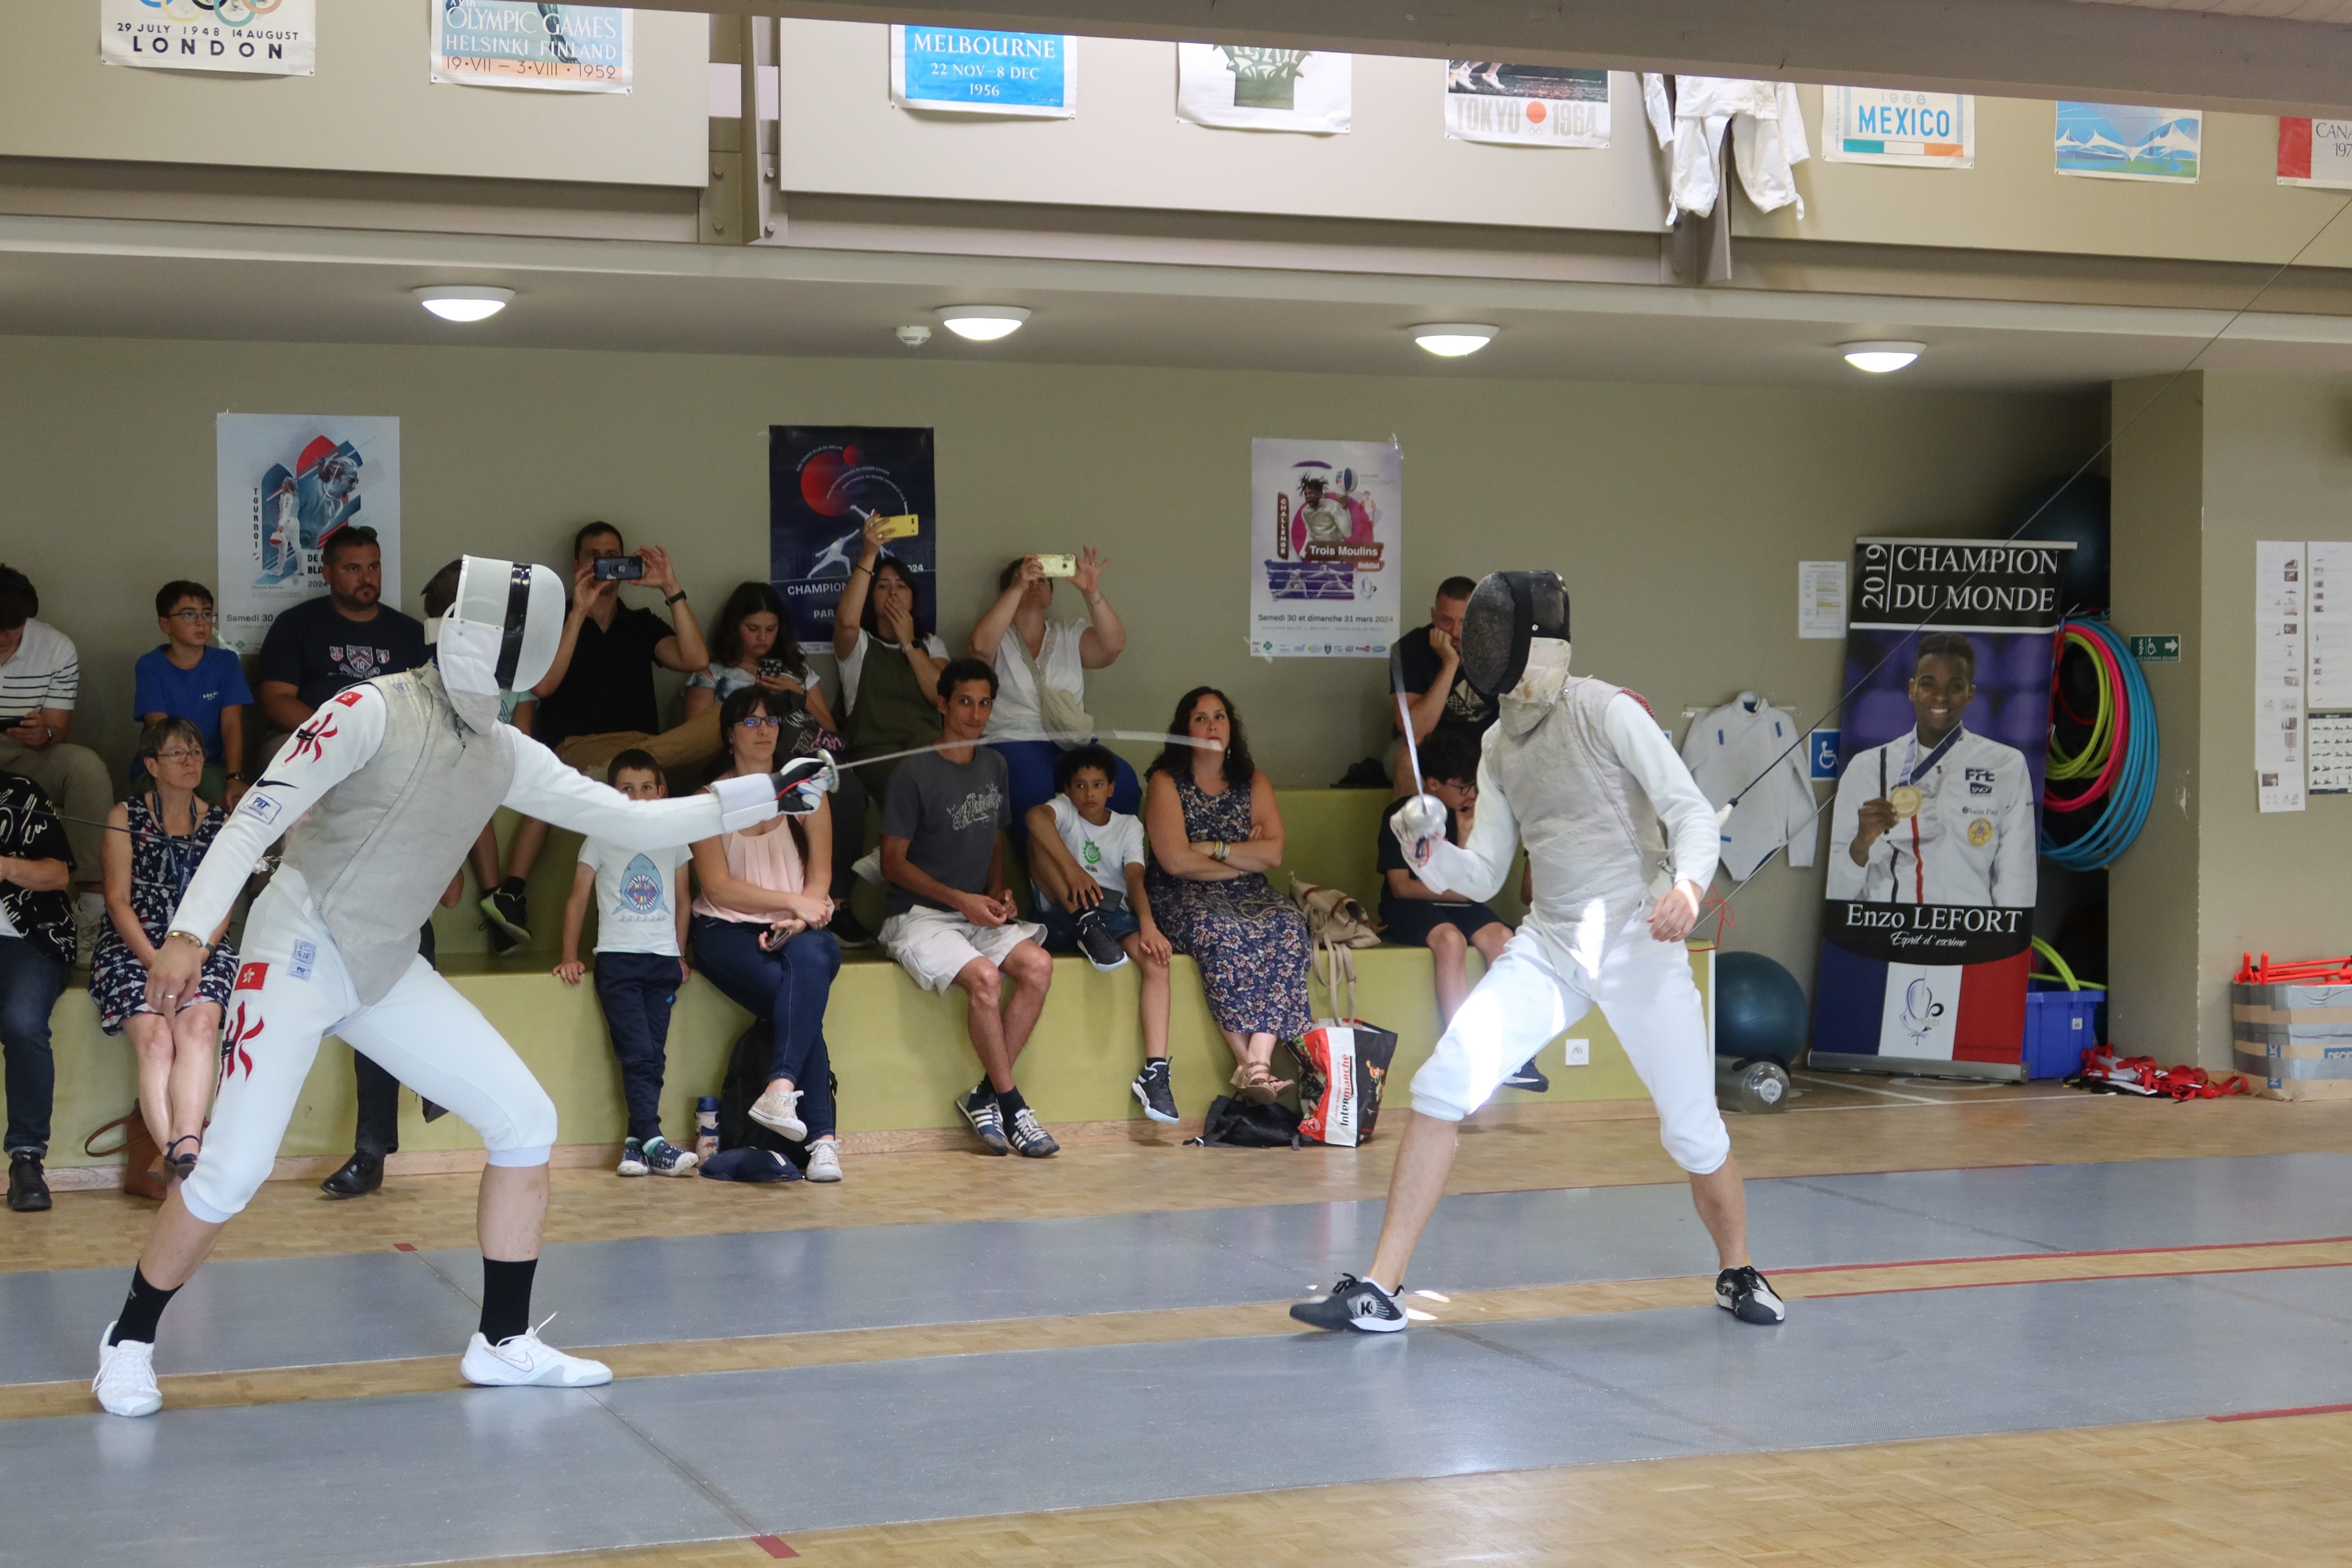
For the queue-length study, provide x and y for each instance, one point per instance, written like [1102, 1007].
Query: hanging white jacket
[1768, 139]
[1756, 753]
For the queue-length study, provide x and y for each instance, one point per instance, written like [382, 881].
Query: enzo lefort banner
[247, 37]
[1932, 859]
[968, 71]
[516, 43]
[1896, 125]
[1529, 106]
[822, 481]
[1244, 88]
[1325, 548]
[285, 483]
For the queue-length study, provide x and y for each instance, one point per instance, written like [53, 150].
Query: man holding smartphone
[604, 702]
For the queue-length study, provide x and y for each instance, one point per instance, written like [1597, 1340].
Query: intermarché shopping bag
[1343, 1064]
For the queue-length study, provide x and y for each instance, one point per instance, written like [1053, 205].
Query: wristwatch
[669, 599]
[190, 936]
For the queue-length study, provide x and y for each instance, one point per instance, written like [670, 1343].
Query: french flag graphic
[1920, 1012]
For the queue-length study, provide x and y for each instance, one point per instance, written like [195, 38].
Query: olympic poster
[1896, 125]
[1526, 106]
[1241, 88]
[245, 37]
[517, 43]
[1325, 548]
[968, 71]
[2125, 141]
[285, 483]
[2314, 153]
[1933, 834]
[823, 482]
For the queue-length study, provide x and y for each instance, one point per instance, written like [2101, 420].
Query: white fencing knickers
[290, 990]
[1535, 990]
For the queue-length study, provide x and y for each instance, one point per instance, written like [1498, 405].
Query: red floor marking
[773, 1546]
[403, 1247]
[2268, 1414]
[2114, 1252]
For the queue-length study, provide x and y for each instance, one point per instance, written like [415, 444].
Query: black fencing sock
[1009, 1101]
[506, 1297]
[512, 885]
[142, 1310]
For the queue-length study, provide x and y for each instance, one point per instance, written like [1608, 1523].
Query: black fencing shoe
[1747, 1296]
[1101, 949]
[1353, 1304]
[1152, 1091]
[1529, 1078]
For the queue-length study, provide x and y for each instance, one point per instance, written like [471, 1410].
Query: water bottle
[1755, 1087]
[705, 1127]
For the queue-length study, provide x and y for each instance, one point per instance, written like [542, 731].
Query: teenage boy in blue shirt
[188, 678]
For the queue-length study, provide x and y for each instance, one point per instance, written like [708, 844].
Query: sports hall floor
[2027, 1326]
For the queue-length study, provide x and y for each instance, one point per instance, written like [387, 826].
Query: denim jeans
[637, 990]
[787, 990]
[30, 980]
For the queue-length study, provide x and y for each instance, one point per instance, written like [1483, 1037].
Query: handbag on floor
[142, 1163]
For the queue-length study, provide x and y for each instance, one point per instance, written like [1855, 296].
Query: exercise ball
[2071, 510]
[1759, 1009]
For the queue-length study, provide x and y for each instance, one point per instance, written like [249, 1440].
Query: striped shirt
[43, 672]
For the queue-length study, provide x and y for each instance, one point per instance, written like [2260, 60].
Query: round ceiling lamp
[464, 301]
[1879, 357]
[982, 323]
[1451, 340]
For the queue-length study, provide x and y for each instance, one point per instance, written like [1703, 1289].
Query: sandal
[182, 1166]
[1257, 1083]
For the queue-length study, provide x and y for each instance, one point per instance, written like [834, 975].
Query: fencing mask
[500, 635]
[1508, 610]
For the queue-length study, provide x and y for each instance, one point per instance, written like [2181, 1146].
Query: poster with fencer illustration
[1934, 833]
[1327, 548]
[824, 482]
[285, 485]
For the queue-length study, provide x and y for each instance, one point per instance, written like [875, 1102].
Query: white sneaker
[870, 868]
[524, 1360]
[777, 1110]
[125, 1383]
[825, 1162]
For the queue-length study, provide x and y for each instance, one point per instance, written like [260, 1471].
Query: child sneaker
[633, 1159]
[664, 1158]
[1152, 1091]
[1101, 949]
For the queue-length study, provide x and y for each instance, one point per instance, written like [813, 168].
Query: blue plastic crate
[2060, 1025]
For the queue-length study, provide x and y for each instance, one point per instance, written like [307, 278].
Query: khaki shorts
[934, 946]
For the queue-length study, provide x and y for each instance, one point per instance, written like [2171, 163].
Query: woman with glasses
[159, 839]
[760, 914]
[188, 678]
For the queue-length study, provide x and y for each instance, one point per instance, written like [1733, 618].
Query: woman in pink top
[759, 934]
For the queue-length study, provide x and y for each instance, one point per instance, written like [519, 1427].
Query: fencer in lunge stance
[380, 795]
[1578, 770]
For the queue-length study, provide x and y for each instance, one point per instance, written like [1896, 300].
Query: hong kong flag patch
[249, 976]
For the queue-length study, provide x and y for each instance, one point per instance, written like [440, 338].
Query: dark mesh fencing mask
[1508, 610]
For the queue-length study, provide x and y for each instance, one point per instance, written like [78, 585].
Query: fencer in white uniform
[1579, 772]
[380, 795]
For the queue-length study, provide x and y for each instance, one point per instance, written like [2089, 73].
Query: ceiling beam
[2015, 48]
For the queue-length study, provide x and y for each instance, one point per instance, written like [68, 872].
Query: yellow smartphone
[905, 526]
[1058, 566]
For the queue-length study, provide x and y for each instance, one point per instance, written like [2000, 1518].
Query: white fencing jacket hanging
[1768, 139]
[1759, 755]
[1971, 843]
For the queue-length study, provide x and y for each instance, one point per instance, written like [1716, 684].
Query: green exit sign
[2156, 649]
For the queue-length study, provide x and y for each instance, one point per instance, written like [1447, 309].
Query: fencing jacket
[1972, 842]
[1759, 755]
[1767, 139]
[1583, 779]
[390, 790]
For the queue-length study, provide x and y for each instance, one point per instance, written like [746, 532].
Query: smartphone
[619, 569]
[905, 526]
[772, 669]
[1058, 566]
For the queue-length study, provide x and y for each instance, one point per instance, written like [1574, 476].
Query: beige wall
[1677, 513]
[372, 106]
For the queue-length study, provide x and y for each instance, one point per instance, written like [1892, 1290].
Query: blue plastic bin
[2060, 1025]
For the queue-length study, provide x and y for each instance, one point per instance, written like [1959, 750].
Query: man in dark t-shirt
[1429, 664]
[321, 646]
[604, 703]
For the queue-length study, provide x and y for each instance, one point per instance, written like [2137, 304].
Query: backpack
[746, 1080]
[1233, 1123]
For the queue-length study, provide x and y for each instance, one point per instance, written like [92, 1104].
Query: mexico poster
[823, 482]
[285, 485]
[1325, 548]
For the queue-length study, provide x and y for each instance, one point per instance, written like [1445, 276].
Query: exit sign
[2156, 649]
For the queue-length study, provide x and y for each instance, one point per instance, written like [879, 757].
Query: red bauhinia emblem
[235, 1057]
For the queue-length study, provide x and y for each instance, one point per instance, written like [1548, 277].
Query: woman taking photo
[759, 933]
[1216, 831]
[165, 831]
[1041, 678]
[889, 668]
[753, 644]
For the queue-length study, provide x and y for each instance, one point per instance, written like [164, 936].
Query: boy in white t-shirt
[1086, 862]
[640, 936]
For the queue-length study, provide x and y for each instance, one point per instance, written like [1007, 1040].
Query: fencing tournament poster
[1526, 106]
[285, 483]
[1325, 548]
[1933, 832]
[970, 70]
[245, 37]
[1227, 85]
[550, 49]
[2123, 141]
[1896, 125]
[822, 481]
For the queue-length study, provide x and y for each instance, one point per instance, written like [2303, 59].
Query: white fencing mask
[1507, 612]
[499, 635]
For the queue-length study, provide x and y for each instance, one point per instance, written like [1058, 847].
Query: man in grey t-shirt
[953, 919]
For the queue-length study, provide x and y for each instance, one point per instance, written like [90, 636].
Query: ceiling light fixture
[982, 323]
[913, 337]
[1880, 356]
[1451, 340]
[464, 301]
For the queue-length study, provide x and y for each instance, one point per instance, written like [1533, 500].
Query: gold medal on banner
[1905, 799]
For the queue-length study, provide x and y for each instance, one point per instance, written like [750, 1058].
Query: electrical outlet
[1579, 1053]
